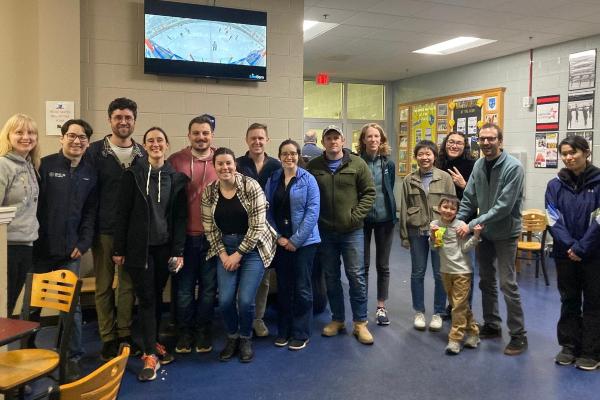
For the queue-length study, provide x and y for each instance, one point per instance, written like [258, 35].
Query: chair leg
[537, 266]
[543, 256]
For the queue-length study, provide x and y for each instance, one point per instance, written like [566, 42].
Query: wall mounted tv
[204, 41]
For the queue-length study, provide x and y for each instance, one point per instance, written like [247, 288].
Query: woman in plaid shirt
[234, 217]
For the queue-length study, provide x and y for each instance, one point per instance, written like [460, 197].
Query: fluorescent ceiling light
[455, 45]
[312, 29]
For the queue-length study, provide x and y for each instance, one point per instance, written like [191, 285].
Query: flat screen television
[204, 41]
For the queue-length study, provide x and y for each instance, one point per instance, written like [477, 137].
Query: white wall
[550, 76]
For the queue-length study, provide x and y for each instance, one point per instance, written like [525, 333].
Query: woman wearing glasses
[294, 199]
[19, 162]
[455, 158]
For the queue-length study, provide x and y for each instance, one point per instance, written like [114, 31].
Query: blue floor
[402, 364]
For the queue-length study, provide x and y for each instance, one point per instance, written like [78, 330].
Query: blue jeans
[192, 312]
[350, 246]
[240, 284]
[294, 291]
[419, 250]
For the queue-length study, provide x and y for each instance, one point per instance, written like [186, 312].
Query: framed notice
[547, 113]
[57, 113]
[582, 70]
[580, 110]
[546, 150]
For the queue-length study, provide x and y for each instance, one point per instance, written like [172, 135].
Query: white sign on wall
[57, 113]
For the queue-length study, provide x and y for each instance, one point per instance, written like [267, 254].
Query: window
[323, 101]
[366, 102]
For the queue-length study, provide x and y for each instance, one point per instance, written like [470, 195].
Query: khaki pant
[458, 287]
[106, 301]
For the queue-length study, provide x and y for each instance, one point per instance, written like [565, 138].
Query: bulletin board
[432, 119]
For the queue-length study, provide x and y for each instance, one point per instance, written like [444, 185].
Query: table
[14, 329]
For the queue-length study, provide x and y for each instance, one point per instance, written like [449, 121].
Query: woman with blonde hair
[19, 160]
[375, 150]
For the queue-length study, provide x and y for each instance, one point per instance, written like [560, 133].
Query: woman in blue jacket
[293, 195]
[573, 208]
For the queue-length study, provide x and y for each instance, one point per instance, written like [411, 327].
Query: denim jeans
[294, 291]
[350, 246]
[195, 313]
[384, 234]
[419, 250]
[240, 285]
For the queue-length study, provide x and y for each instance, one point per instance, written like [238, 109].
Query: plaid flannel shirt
[260, 234]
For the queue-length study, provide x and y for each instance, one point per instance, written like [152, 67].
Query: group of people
[217, 222]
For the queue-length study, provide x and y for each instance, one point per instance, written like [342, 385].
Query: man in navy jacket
[66, 212]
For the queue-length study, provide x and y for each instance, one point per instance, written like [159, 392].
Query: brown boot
[333, 328]
[362, 333]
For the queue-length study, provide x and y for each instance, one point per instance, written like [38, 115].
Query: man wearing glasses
[494, 193]
[111, 156]
[194, 316]
[66, 213]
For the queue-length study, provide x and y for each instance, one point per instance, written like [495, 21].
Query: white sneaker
[435, 325]
[472, 341]
[453, 347]
[419, 322]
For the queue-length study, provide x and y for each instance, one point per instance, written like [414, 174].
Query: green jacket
[347, 195]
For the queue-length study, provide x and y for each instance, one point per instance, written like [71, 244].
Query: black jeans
[579, 324]
[148, 285]
[383, 245]
[19, 263]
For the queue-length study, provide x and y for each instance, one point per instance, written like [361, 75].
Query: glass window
[366, 101]
[322, 101]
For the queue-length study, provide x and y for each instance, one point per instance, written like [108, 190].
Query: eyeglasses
[454, 143]
[71, 137]
[487, 139]
[290, 154]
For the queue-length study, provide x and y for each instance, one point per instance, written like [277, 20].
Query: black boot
[230, 350]
[246, 353]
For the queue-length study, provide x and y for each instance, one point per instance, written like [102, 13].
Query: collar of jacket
[345, 159]
[437, 175]
[106, 149]
[11, 155]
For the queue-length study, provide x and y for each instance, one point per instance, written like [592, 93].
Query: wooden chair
[533, 240]
[102, 384]
[55, 290]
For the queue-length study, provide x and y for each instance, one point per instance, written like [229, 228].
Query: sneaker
[163, 356]
[361, 332]
[151, 365]
[134, 349]
[204, 340]
[230, 350]
[516, 346]
[246, 353]
[587, 364]
[333, 328]
[435, 325]
[281, 342]
[260, 329]
[472, 342]
[452, 348]
[565, 356]
[298, 344]
[381, 316]
[109, 350]
[73, 370]
[489, 332]
[184, 343]
[419, 321]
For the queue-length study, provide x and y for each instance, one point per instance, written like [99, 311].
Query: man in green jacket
[347, 195]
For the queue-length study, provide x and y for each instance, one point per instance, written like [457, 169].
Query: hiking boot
[333, 328]
[419, 321]
[472, 342]
[516, 346]
[260, 329]
[230, 350]
[587, 364]
[281, 342]
[361, 332]
[452, 348]
[184, 343]
[246, 353]
[204, 340]
[381, 316]
[487, 331]
[298, 344]
[109, 350]
[151, 365]
[565, 357]
[435, 325]
[163, 356]
[134, 349]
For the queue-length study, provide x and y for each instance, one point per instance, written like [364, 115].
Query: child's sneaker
[163, 356]
[435, 325]
[419, 321]
[151, 365]
[472, 342]
[453, 348]
[381, 316]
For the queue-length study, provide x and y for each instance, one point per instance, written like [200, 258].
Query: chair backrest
[102, 384]
[534, 220]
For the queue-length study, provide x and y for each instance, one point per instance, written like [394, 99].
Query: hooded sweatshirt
[19, 188]
[201, 172]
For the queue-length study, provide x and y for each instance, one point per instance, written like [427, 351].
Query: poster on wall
[582, 70]
[587, 135]
[546, 150]
[57, 113]
[580, 110]
[423, 122]
[547, 113]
